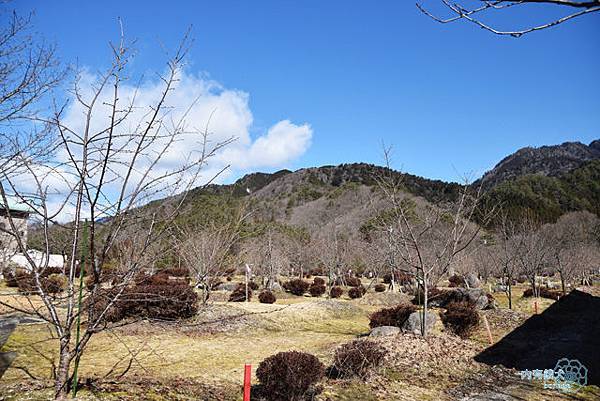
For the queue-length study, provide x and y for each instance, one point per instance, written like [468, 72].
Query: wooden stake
[247, 379]
[487, 328]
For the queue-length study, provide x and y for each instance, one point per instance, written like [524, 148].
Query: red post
[247, 378]
[535, 305]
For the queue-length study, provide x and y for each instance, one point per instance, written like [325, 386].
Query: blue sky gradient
[451, 99]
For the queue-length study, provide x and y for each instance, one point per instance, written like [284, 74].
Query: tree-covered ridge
[547, 198]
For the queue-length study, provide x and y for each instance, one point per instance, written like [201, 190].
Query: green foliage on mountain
[547, 198]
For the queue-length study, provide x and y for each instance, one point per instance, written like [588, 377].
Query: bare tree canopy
[474, 13]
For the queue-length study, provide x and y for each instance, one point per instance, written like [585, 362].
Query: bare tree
[29, 70]
[106, 166]
[206, 251]
[427, 238]
[474, 13]
[333, 252]
[532, 247]
[572, 245]
[502, 254]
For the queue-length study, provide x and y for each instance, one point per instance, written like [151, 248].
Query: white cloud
[227, 113]
[196, 104]
[282, 143]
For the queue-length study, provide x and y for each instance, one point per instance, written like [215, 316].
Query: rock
[384, 331]
[500, 288]
[472, 281]
[475, 295]
[413, 323]
[229, 286]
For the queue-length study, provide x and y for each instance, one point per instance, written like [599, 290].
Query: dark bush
[239, 294]
[357, 292]
[318, 281]
[456, 281]
[399, 277]
[544, 293]
[266, 297]
[352, 281]
[53, 284]
[168, 302]
[252, 285]
[297, 286]
[336, 292]
[357, 358]
[152, 301]
[380, 287]
[461, 318]
[395, 316]
[434, 296]
[316, 290]
[229, 278]
[10, 276]
[289, 376]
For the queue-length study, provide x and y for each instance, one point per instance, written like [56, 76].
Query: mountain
[312, 199]
[550, 161]
[544, 182]
[548, 197]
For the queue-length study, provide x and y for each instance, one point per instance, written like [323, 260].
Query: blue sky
[451, 99]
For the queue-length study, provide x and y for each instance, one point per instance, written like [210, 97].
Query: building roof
[16, 205]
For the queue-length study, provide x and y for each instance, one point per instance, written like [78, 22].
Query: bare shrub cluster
[289, 376]
[395, 316]
[357, 358]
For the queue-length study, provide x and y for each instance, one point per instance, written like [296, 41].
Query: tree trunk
[424, 315]
[61, 383]
[562, 282]
[509, 285]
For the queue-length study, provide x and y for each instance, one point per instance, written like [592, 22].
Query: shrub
[229, 278]
[288, 376]
[399, 277]
[53, 284]
[395, 316]
[352, 281]
[252, 285]
[544, 293]
[357, 358]
[336, 292]
[297, 286]
[168, 302]
[380, 287]
[10, 274]
[456, 281]
[266, 297]
[239, 294]
[461, 318]
[316, 290]
[434, 295]
[318, 281]
[153, 301]
[357, 292]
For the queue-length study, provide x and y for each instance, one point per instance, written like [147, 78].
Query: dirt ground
[203, 359]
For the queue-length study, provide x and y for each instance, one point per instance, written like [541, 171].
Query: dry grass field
[204, 358]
